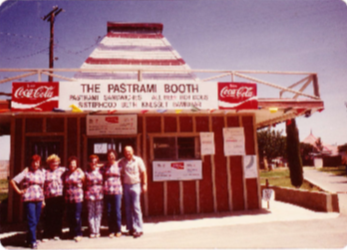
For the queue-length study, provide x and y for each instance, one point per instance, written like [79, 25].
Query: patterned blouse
[54, 184]
[73, 186]
[112, 181]
[93, 183]
[32, 182]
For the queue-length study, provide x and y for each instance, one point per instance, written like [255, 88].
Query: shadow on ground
[14, 234]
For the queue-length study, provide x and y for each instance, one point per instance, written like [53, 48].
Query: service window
[176, 148]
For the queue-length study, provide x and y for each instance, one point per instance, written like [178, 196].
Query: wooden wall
[223, 187]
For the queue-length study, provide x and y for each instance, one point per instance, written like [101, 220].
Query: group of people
[57, 187]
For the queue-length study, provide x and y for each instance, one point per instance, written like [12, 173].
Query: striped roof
[135, 46]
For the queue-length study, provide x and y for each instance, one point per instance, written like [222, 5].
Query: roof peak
[135, 27]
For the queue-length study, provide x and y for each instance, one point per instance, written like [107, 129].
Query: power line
[28, 55]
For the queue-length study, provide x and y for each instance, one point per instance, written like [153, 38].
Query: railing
[306, 78]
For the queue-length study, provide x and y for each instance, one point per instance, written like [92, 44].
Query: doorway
[44, 146]
[100, 146]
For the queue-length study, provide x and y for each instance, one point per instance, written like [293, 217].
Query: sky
[268, 35]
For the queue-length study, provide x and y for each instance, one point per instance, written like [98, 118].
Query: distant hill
[4, 169]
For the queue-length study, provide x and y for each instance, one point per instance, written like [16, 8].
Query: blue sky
[271, 35]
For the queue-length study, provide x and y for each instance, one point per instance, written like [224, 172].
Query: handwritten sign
[250, 166]
[234, 141]
[111, 124]
[207, 143]
[268, 194]
[177, 170]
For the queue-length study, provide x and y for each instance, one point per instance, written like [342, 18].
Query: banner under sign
[234, 141]
[144, 96]
[111, 124]
[177, 170]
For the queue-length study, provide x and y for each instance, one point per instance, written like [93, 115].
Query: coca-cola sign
[34, 96]
[233, 95]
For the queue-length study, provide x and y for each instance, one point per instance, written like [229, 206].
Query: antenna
[50, 17]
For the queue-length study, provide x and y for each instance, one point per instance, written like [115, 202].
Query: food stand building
[197, 137]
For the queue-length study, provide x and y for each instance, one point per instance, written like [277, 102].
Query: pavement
[281, 226]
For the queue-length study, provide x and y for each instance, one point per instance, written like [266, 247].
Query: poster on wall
[177, 170]
[234, 141]
[100, 148]
[207, 143]
[250, 166]
[111, 124]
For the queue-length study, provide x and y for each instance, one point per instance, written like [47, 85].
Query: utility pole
[50, 17]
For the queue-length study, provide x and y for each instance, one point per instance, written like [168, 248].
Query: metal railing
[306, 78]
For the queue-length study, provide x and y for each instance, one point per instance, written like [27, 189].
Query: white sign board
[250, 166]
[145, 96]
[111, 124]
[318, 162]
[177, 170]
[234, 141]
[207, 143]
[268, 194]
[100, 148]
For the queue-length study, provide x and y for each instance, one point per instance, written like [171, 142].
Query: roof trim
[135, 27]
[91, 60]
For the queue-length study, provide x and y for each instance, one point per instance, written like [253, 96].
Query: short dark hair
[91, 157]
[35, 158]
[73, 158]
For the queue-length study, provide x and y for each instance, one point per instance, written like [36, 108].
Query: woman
[53, 191]
[32, 180]
[94, 196]
[113, 194]
[73, 192]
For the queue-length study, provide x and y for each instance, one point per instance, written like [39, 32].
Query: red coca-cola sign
[34, 96]
[177, 165]
[233, 95]
[112, 119]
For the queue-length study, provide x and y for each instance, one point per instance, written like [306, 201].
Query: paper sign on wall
[234, 141]
[100, 148]
[207, 143]
[177, 170]
[250, 166]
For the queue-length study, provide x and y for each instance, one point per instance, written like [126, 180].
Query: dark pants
[54, 211]
[74, 211]
[33, 211]
[113, 204]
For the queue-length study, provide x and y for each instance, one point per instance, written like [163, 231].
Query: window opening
[176, 148]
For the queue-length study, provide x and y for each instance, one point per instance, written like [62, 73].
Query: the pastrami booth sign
[34, 96]
[43, 96]
[237, 95]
